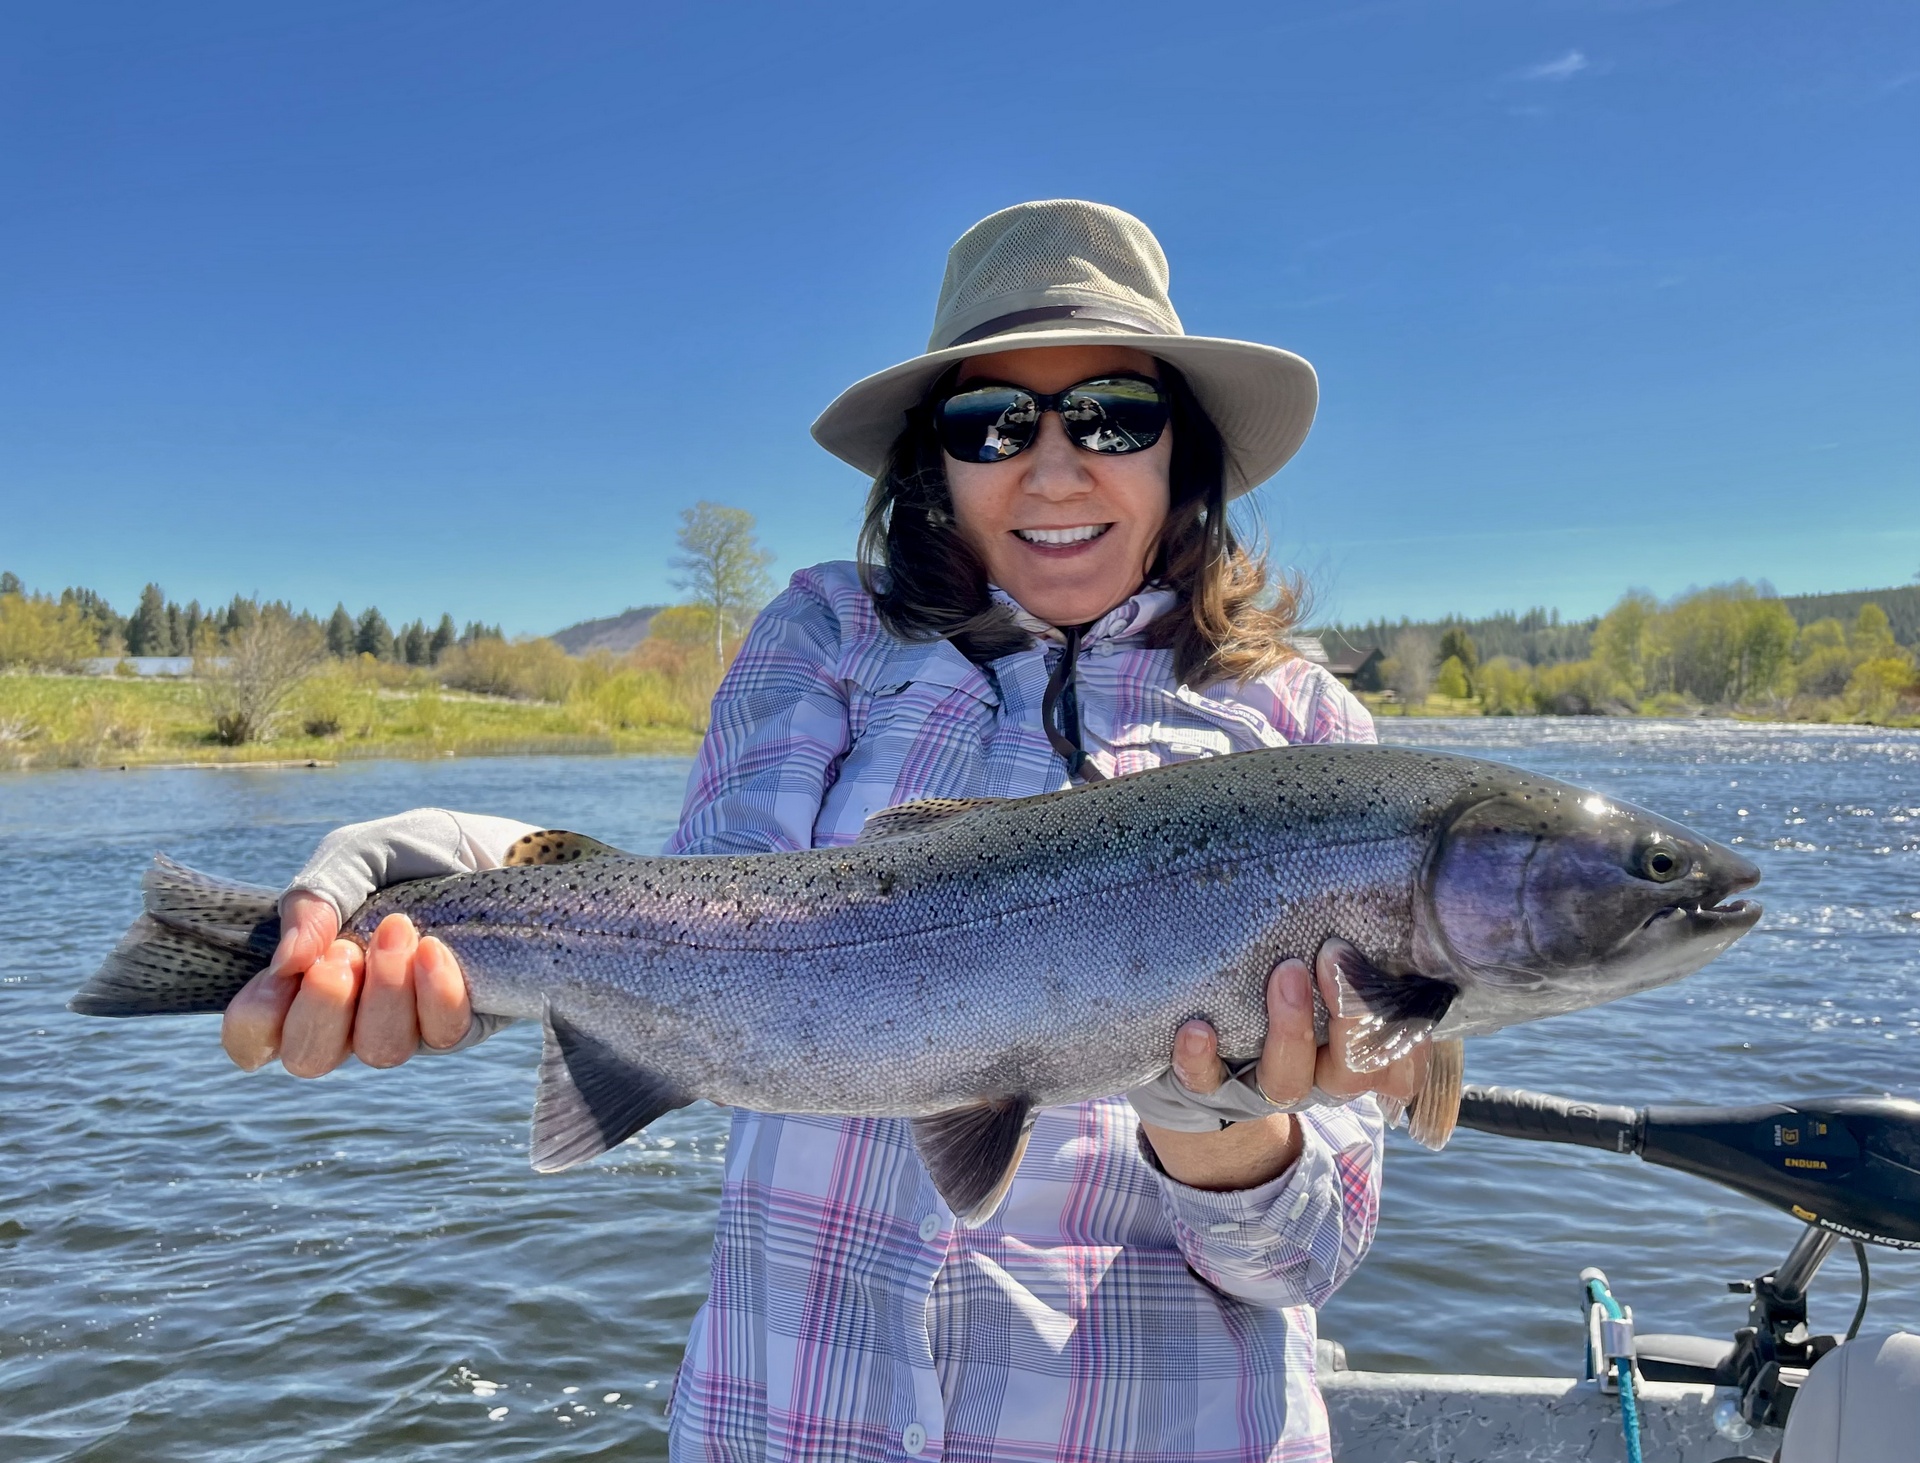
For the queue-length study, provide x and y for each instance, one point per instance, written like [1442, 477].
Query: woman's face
[1110, 509]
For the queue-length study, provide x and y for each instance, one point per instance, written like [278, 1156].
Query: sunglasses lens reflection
[1115, 416]
[990, 423]
[987, 423]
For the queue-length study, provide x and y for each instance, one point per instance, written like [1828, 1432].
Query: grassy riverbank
[1831, 711]
[96, 721]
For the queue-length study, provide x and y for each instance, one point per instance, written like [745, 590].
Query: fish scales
[916, 972]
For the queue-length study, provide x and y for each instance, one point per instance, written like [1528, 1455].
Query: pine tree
[240, 614]
[177, 643]
[194, 620]
[413, 643]
[371, 636]
[10, 583]
[147, 625]
[443, 638]
[340, 631]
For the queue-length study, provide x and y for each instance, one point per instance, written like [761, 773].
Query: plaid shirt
[1106, 1314]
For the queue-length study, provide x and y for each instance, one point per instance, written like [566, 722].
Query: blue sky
[455, 306]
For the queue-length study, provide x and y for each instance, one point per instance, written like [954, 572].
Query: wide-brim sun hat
[1067, 272]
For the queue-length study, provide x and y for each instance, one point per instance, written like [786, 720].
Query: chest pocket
[919, 720]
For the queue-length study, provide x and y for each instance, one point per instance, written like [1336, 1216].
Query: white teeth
[1062, 535]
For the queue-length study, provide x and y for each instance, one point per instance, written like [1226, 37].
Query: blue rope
[1623, 1369]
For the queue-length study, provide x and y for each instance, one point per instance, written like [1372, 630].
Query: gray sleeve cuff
[352, 862]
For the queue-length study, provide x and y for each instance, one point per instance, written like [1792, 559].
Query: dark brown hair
[928, 584]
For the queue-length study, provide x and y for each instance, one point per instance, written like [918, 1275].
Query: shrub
[38, 632]
[1506, 688]
[526, 670]
[265, 661]
[1878, 684]
[1577, 688]
[1452, 680]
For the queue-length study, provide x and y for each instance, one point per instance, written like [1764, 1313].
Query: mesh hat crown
[1066, 272]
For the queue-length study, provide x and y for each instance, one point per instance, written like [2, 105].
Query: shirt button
[913, 1438]
[929, 1227]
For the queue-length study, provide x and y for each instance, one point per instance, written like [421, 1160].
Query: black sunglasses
[990, 421]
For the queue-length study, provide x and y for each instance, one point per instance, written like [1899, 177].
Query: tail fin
[199, 941]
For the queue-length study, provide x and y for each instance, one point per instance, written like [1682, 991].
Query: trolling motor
[1847, 1167]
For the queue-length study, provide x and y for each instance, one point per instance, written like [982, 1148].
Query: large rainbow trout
[969, 961]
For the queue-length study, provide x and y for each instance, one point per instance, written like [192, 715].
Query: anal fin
[557, 846]
[1396, 1012]
[1436, 1111]
[591, 1098]
[971, 1153]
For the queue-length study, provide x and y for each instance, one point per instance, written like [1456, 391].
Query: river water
[196, 1264]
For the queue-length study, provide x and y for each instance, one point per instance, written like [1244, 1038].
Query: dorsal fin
[557, 846]
[918, 816]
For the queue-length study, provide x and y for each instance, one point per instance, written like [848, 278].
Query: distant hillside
[1539, 637]
[1902, 606]
[617, 634]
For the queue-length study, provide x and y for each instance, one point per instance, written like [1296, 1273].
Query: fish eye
[1660, 862]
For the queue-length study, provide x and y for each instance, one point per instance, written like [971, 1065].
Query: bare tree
[721, 567]
[1409, 670]
[263, 662]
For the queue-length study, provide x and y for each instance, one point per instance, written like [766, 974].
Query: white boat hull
[1405, 1417]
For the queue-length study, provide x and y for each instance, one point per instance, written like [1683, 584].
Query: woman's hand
[322, 997]
[1291, 1066]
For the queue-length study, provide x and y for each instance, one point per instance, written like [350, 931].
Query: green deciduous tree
[1728, 644]
[38, 632]
[1627, 641]
[722, 567]
[1452, 679]
[1505, 687]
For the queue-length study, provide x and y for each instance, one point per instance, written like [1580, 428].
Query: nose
[1056, 469]
[1729, 872]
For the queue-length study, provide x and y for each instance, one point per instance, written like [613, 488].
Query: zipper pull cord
[1060, 711]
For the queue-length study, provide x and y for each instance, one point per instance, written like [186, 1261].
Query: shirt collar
[1122, 622]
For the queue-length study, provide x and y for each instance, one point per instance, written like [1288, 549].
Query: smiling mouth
[1062, 537]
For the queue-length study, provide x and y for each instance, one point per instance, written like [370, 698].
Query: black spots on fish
[885, 882]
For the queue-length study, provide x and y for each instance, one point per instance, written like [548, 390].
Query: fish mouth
[1715, 918]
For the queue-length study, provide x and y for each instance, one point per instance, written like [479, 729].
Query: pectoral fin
[1436, 1110]
[590, 1098]
[1395, 1012]
[557, 846]
[971, 1153]
[918, 816]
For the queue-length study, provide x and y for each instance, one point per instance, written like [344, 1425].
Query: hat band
[1091, 314]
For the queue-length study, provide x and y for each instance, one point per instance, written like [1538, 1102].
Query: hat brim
[1260, 398]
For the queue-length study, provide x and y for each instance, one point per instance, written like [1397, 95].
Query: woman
[1049, 593]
